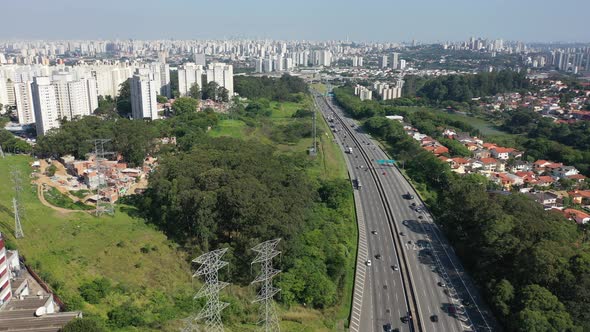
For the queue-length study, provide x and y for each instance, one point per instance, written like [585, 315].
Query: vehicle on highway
[402, 233]
[408, 196]
[405, 319]
[384, 173]
[414, 204]
[420, 217]
[395, 268]
[434, 318]
[378, 256]
[441, 284]
[374, 232]
[349, 150]
[387, 327]
[368, 262]
[410, 242]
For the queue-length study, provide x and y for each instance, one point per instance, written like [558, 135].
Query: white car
[368, 262]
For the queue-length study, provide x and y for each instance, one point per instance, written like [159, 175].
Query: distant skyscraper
[200, 59]
[189, 74]
[258, 65]
[278, 64]
[144, 90]
[161, 73]
[267, 65]
[383, 62]
[45, 104]
[395, 60]
[402, 64]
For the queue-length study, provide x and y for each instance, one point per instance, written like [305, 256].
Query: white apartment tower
[161, 73]
[23, 93]
[395, 60]
[223, 75]
[5, 289]
[45, 104]
[144, 90]
[189, 74]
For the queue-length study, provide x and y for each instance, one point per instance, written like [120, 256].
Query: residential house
[564, 171]
[481, 153]
[545, 198]
[578, 216]
[580, 196]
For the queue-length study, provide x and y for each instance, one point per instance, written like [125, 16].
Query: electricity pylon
[268, 314]
[17, 182]
[103, 203]
[211, 263]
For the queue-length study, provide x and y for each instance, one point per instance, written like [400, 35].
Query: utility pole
[211, 263]
[17, 182]
[103, 203]
[268, 314]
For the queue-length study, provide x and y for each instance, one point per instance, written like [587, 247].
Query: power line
[211, 263]
[268, 314]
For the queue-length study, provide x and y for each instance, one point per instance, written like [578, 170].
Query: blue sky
[360, 20]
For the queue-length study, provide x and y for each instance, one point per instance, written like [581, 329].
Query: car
[395, 268]
[420, 217]
[368, 262]
[434, 318]
[384, 173]
[374, 232]
[414, 204]
[387, 327]
[410, 242]
[408, 195]
[378, 256]
[442, 284]
[402, 233]
[405, 319]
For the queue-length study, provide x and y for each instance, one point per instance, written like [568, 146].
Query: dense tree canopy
[277, 89]
[185, 105]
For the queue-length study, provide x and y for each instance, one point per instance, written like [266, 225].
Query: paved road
[432, 261]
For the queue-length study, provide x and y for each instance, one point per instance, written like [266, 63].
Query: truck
[349, 150]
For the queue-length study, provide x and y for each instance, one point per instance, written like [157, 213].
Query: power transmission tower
[18, 210]
[268, 314]
[211, 263]
[103, 202]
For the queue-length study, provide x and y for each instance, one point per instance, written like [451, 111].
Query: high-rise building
[24, 102]
[189, 74]
[278, 64]
[161, 73]
[402, 64]
[3, 90]
[223, 75]
[383, 62]
[200, 59]
[144, 89]
[258, 67]
[267, 65]
[395, 60]
[45, 104]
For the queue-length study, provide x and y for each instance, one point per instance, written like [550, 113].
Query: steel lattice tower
[268, 314]
[211, 263]
[102, 204]
[18, 210]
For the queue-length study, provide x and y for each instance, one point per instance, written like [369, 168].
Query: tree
[222, 94]
[83, 325]
[210, 90]
[126, 314]
[161, 99]
[185, 105]
[124, 99]
[50, 171]
[195, 91]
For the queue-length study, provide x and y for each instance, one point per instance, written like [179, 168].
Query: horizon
[382, 22]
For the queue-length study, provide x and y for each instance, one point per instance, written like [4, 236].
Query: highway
[428, 278]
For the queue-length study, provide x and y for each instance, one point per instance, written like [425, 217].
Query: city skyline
[391, 21]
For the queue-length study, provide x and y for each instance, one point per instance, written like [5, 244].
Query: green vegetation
[13, 144]
[210, 192]
[72, 250]
[83, 325]
[461, 88]
[286, 88]
[56, 198]
[185, 105]
[82, 193]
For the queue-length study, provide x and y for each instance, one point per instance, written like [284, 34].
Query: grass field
[485, 127]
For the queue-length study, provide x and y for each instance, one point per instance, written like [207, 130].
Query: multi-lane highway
[413, 271]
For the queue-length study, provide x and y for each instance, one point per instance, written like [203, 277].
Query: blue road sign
[386, 161]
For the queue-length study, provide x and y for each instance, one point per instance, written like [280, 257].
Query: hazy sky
[360, 20]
